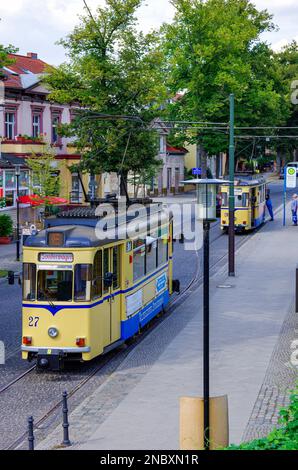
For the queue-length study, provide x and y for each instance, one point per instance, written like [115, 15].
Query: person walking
[269, 206]
[294, 208]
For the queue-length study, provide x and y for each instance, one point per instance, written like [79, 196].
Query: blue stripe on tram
[57, 308]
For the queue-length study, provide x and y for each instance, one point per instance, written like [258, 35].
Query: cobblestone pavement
[279, 380]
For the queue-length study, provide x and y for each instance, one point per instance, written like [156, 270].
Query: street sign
[197, 171]
[291, 177]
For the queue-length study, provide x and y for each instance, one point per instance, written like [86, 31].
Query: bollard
[296, 289]
[10, 278]
[65, 425]
[181, 240]
[30, 433]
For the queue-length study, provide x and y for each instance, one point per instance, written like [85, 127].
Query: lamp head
[207, 191]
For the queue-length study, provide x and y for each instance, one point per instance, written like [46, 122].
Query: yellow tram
[84, 295]
[250, 203]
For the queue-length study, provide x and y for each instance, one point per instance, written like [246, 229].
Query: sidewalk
[138, 405]
[8, 258]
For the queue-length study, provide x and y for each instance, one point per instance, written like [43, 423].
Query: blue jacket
[294, 205]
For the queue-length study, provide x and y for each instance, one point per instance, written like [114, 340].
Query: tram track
[17, 379]
[120, 354]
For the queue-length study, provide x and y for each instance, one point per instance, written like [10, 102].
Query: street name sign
[197, 171]
[291, 177]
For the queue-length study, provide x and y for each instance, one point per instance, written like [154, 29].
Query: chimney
[32, 55]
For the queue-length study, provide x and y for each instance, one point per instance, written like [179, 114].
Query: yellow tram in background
[250, 203]
[83, 295]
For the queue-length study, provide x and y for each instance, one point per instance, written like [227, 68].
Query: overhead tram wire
[266, 136]
[220, 127]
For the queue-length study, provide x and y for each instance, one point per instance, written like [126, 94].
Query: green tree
[213, 49]
[114, 70]
[5, 60]
[44, 174]
[287, 61]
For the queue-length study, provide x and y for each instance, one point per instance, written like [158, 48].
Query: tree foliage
[287, 61]
[5, 60]
[213, 48]
[114, 70]
[44, 170]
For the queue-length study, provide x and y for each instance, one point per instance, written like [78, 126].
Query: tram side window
[151, 252]
[82, 282]
[116, 267]
[139, 256]
[106, 267]
[244, 200]
[97, 276]
[162, 250]
[29, 281]
[224, 199]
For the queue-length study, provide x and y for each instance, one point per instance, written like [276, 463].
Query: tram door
[253, 206]
[111, 264]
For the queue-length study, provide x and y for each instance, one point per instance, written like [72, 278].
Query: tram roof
[83, 232]
[248, 180]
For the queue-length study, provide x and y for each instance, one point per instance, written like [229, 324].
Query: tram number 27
[33, 321]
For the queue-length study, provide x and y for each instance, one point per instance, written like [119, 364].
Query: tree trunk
[123, 184]
[202, 160]
[278, 160]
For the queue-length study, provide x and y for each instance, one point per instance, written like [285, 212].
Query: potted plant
[6, 229]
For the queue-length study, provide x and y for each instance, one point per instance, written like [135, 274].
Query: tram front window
[54, 286]
[82, 285]
[29, 281]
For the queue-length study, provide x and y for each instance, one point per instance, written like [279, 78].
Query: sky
[36, 25]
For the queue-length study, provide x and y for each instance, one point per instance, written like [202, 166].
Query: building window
[36, 125]
[162, 144]
[8, 186]
[55, 124]
[10, 179]
[10, 124]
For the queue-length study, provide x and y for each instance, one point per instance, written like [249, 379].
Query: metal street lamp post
[18, 173]
[207, 214]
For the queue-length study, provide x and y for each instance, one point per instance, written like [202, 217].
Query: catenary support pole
[206, 375]
[18, 218]
[231, 192]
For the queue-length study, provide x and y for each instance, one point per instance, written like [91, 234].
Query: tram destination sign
[56, 257]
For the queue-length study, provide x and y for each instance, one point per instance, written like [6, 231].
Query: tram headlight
[53, 332]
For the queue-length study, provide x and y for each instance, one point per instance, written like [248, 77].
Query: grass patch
[3, 273]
